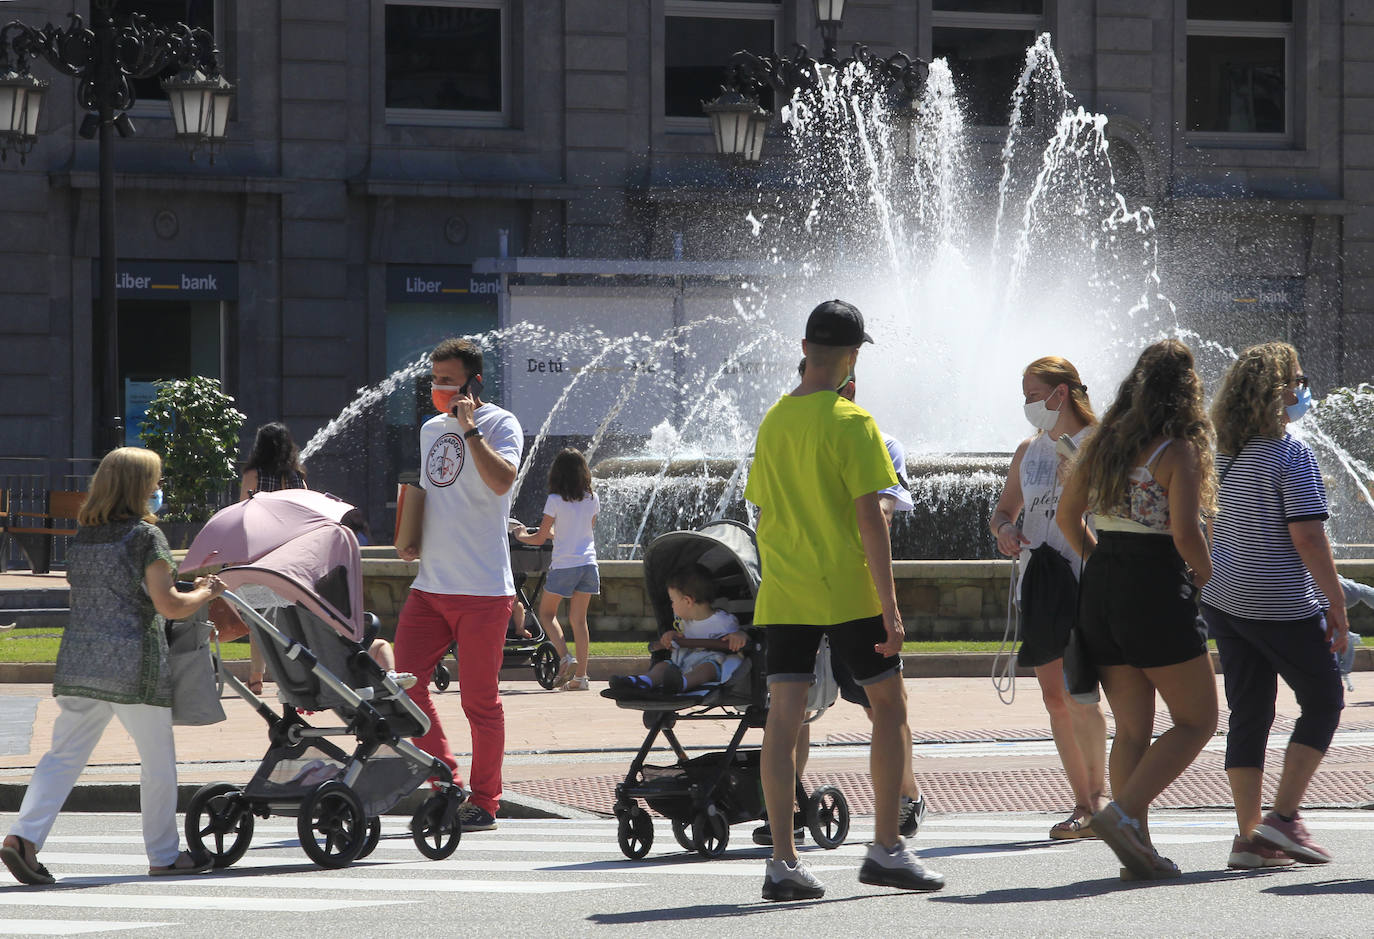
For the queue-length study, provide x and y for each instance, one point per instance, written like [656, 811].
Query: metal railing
[26, 480]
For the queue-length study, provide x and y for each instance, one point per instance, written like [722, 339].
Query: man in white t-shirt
[469, 453]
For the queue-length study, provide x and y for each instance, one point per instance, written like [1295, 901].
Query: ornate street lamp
[104, 59]
[739, 124]
[748, 73]
[21, 98]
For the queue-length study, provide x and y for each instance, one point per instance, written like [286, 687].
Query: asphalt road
[568, 878]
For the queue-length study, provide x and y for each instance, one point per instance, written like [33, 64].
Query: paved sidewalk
[972, 753]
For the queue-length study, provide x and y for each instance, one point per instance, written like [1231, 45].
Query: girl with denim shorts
[570, 519]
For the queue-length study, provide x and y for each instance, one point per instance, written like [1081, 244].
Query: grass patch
[22, 645]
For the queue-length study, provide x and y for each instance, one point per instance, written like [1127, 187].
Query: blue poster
[137, 395]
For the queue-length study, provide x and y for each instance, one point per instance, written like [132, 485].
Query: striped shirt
[1256, 571]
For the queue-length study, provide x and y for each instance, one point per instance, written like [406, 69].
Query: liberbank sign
[172, 280]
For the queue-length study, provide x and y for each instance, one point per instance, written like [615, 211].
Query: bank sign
[424, 283]
[172, 280]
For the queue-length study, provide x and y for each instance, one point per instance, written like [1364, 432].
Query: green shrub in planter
[194, 426]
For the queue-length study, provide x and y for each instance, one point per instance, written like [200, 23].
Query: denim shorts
[565, 581]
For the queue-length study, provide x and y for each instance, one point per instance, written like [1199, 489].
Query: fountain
[965, 272]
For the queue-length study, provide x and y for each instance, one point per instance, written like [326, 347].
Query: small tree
[194, 426]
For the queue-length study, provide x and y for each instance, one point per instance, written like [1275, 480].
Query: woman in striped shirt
[1274, 603]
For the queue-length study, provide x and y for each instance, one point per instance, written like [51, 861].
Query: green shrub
[193, 425]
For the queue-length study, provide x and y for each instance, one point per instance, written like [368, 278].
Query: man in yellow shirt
[819, 466]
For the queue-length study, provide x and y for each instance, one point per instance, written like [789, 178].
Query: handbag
[195, 682]
[1080, 674]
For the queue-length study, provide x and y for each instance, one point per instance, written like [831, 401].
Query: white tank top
[1040, 492]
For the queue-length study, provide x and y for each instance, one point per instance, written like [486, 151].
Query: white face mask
[1040, 415]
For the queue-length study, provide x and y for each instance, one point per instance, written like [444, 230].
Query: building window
[447, 62]
[985, 43]
[198, 14]
[1239, 64]
[699, 38]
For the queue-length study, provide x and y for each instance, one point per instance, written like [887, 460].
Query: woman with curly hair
[1274, 604]
[1146, 475]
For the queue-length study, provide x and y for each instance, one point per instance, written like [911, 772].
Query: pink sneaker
[1247, 855]
[1291, 838]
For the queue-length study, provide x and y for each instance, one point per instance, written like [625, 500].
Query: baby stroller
[294, 544]
[703, 796]
[534, 650]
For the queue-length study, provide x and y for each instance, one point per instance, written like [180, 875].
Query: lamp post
[748, 73]
[104, 58]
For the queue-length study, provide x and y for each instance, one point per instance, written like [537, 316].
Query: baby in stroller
[703, 644]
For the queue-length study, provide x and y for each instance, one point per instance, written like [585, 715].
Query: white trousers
[78, 728]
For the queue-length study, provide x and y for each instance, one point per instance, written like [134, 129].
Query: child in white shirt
[570, 519]
[700, 642]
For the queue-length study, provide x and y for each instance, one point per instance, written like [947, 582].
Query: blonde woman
[1146, 475]
[1274, 604]
[1057, 406]
[113, 663]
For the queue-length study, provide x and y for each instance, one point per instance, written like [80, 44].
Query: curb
[124, 797]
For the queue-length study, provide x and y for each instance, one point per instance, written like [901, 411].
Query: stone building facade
[368, 165]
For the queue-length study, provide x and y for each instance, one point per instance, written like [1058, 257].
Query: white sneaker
[898, 868]
[403, 679]
[783, 881]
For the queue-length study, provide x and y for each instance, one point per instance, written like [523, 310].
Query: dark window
[1276, 11]
[697, 51]
[986, 64]
[443, 58]
[1032, 7]
[1236, 84]
[199, 14]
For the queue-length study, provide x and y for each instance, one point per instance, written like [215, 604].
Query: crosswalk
[103, 888]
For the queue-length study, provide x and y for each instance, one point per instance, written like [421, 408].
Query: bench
[35, 532]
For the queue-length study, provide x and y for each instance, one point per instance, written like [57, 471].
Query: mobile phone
[1066, 447]
[472, 387]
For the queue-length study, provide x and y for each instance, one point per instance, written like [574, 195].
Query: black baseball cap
[836, 323]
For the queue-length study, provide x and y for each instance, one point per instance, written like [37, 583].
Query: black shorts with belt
[1138, 605]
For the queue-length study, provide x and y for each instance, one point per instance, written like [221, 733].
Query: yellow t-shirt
[816, 454]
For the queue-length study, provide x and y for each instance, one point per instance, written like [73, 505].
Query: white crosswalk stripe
[103, 866]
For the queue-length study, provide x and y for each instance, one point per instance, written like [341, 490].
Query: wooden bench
[35, 532]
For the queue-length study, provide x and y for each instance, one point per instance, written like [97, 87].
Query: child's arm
[539, 537]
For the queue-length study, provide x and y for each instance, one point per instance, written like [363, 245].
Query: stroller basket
[289, 773]
[738, 795]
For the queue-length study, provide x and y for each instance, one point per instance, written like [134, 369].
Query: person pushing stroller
[700, 644]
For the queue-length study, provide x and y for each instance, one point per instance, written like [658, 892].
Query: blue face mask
[1297, 410]
[155, 503]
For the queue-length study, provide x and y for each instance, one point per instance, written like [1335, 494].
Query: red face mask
[442, 396]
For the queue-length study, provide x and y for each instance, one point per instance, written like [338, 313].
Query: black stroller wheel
[827, 816]
[219, 824]
[546, 665]
[331, 824]
[635, 832]
[374, 835]
[682, 831]
[710, 833]
[435, 828]
[442, 678]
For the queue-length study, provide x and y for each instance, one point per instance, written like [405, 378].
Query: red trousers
[429, 623]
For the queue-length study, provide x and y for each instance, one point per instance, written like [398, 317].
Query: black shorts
[791, 651]
[1139, 606]
[1049, 607]
[849, 688]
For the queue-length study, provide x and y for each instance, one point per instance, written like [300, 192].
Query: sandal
[1077, 825]
[565, 671]
[184, 864]
[1122, 835]
[577, 684]
[254, 685]
[22, 860]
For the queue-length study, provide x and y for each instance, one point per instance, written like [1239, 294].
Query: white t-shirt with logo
[716, 626]
[464, 546]
[573, 541]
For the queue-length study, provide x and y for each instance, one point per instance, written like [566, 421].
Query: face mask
[442, 396]
[1040, 415]
[155, 503]
[1297, 410]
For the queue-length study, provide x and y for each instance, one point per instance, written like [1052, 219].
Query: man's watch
[473, 434]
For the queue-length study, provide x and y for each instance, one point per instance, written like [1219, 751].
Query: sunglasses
[1301, 382]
